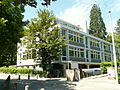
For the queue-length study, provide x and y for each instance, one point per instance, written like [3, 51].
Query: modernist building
[82, 51]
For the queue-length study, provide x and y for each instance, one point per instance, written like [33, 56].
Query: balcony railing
[96, 61]
[76, 43]
[77, 59]
[95, 48]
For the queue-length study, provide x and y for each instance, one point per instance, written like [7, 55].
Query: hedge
[104, 66]
[14, 70]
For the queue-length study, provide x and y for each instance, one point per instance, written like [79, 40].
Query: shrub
[14, 70]
[104, 66]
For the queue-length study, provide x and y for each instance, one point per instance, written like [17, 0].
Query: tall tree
[117, 33]
[46, 37]
[11, 29]
[109, 38]
[97, 26]
[32, 3]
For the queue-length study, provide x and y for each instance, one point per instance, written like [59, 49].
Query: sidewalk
[100, 82]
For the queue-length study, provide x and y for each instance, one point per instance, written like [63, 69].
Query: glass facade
[81, 47]
[75, 37]
[76, 52]
[93, 51]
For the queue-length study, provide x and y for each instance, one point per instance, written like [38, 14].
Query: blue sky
[77, 11]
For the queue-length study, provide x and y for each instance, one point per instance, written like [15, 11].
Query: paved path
[101, 83]
[90, 83]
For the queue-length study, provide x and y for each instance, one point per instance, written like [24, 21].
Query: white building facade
[82, 51]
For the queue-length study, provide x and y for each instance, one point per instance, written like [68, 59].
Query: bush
[14, 70]
[104, 66]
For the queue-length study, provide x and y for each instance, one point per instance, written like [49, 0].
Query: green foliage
[109, 38]
[119, 75]
[118, 26]
[104, 66]
[32, 3]
[14, 70]
[11, 30]
[97, 26]
[117, 33]
[50, 41]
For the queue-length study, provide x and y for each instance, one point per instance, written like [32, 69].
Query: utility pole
[114, 52]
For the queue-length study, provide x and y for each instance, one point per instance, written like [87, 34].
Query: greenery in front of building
[104, 66]
[14, 70]
[11, 30]
[11, 27]
[116, 34]
[46, 38]
[97, 26]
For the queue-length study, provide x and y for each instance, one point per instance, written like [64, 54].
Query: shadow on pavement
[50, 84]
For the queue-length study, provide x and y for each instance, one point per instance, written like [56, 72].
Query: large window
[106, 47]
[76, 52]
[95, 55]
[29, 54]
[107, 57]
[64, 51]
[71, 51]
[94, 43]
[64, 32]
[76, 37]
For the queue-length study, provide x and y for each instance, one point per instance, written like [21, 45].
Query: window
[33, 53]
[71, 51]
[76, 52]
[64, 51]
[76, 37]
[82, 53]
[64, 33]
[107, 56]
[95, 55]
[106, 47]
[94, 43]
[71, 37]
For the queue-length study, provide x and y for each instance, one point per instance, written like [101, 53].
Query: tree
[117, 33]
[97, 26]
[109, 38]
[11, 27]
[118, 27]
[32, 3]
[46, 38]
[11, 30]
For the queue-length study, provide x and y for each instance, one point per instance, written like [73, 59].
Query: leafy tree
[117, 33]
[109, 38]
[11, 27]
[11, 30]
[32, 3]
[97, 26]
[46, 37]
[118, 26]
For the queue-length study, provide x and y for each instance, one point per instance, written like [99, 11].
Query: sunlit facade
[82, 51]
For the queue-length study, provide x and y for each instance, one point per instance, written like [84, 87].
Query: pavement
[100, 82]
[97, 83]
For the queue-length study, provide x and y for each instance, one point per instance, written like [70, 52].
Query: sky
[77, 12]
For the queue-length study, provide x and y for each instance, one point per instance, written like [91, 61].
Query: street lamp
[114, 52]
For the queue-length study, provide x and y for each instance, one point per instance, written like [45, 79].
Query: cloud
[80, 12]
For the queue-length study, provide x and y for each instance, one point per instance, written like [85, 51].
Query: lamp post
[114, 52]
